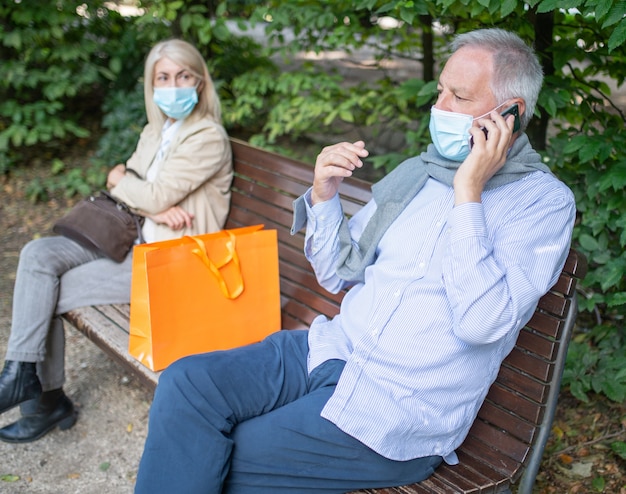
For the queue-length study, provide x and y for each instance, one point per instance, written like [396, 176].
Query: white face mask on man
[450, 132]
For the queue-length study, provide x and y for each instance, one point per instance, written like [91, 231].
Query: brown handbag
[103, 224]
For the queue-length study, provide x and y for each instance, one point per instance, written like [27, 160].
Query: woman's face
[169, 74]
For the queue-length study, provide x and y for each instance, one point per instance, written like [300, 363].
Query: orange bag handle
[201, 252]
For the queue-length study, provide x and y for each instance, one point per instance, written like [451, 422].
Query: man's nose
[443, 102]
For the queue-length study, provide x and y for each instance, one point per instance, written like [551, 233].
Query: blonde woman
[178, 178]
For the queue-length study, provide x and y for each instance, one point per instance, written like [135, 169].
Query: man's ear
[521, 104]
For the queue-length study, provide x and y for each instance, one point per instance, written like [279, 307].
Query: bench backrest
[263, 191]
[513, 423]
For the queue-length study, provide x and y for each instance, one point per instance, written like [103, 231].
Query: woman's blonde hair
[187, 56]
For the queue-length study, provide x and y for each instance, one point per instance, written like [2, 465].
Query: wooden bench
[506, 442]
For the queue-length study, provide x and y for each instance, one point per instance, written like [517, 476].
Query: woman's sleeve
[197, 159]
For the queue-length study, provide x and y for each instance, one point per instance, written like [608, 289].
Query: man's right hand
[332, 165]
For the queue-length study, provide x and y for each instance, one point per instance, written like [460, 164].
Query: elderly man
[445, 265]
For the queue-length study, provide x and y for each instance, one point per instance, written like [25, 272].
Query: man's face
[464, 83]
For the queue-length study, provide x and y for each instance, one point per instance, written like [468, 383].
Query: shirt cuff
[467, 220]
[305, 214]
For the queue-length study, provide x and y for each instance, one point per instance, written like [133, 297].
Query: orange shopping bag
[203, 293]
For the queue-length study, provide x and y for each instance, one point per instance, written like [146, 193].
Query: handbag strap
[136, 217]
[231, 256]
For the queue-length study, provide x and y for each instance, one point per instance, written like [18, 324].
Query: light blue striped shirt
[424, 336]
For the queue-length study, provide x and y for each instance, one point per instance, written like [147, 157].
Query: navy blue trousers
[247, 421]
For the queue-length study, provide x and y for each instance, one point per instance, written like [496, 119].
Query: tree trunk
[544, 27]
[428, 57]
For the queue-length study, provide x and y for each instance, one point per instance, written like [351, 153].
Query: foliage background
[70, 68]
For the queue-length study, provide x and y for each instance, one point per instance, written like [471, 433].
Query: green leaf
[616, 299]
[616, 13]
[618, 36]
[602, 7]
[9, 478]
[550, 5]
[507, 7]
[598, 484]
[587, 242]
[346, 116]
[619, 448]
[578, 391]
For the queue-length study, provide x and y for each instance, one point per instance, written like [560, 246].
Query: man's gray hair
[517, 71]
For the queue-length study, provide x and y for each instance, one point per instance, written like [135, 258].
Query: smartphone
[511, 110]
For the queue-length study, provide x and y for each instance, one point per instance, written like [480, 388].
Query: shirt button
[396, 293]
[422, 264]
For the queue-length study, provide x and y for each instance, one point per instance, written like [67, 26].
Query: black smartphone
[511, 110]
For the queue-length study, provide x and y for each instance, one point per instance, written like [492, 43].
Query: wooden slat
[522, 383]
[515, 402]
[97, 324]
[460, 476]
[504, 419]
[530, 364]
[546, 324]
[539, 345]
[554, 304]
[489, 454]
[510, 451]
[275, 188]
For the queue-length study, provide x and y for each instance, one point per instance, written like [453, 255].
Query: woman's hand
[333, 164]
[175, 217]
[115, 175]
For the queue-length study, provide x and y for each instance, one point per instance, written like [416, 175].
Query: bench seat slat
[462, 477]
[489, 454]
[111, 338]
[508, 447]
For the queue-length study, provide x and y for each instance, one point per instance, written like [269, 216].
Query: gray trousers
[55, 275]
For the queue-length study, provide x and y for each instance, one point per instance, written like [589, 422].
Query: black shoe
[43, 419]
[18, 383]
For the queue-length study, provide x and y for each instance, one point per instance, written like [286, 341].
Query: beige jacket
[195, 174]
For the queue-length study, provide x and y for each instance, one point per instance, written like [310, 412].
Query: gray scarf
[394, 192]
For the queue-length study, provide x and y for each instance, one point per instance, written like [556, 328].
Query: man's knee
[179, 372]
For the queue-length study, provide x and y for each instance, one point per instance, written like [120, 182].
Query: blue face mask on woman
[450, 132]
[176, 102]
